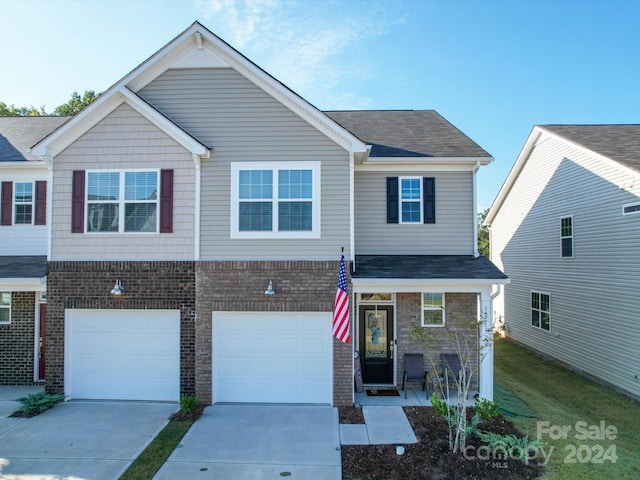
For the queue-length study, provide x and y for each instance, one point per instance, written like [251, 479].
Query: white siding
[124, 140]
[594, 296]
[452, 234]
[242, 123]
[24, 239]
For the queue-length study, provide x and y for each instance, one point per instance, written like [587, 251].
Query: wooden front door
[42, 341]
[376, 344]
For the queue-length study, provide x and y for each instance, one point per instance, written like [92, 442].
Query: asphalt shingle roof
[18, 134]
[23, 267]
[407, 133]
[427, 267]
[619, 142]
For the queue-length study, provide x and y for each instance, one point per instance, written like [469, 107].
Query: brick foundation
[17, 341]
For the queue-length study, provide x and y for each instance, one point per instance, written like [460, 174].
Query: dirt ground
[430, 457]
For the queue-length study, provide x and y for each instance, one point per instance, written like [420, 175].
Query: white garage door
[271, 357]
[122, 354]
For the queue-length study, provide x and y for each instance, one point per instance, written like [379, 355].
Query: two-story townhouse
[23, 249]
[200, 208]
[565, 228]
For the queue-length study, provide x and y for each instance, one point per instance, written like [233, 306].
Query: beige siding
[242, 123]
[124, 140]
[452, 234]
[594, 296]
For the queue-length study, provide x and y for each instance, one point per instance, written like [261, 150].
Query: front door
[376, 344]
[42, 340]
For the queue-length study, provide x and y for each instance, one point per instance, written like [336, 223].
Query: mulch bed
[181, 416]
[429, 459]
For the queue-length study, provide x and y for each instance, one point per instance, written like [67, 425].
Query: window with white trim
[410, 199]
[541, 310]
[5, 307]
[433, 314]
[631, 208]
[566, 236]
[275, 200]
[116, 195]
[23, 203]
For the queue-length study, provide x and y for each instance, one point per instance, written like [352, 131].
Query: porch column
[485, 385]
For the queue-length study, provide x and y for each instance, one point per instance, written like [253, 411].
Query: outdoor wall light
[269, 290]
[117, 290]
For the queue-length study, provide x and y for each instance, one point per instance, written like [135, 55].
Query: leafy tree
[483, 234]
[76, 103]
[12, 110]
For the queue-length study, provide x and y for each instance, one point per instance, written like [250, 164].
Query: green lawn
[566, 400]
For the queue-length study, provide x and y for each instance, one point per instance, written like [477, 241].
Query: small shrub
[189, 403]
[516, 447]
[439, 406]
[37, 403]
[487, 409]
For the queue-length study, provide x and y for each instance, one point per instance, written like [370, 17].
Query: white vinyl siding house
[593, 292]
[245, 124]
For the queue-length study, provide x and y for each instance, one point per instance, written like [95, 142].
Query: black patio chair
[414, 370]
[451, 366]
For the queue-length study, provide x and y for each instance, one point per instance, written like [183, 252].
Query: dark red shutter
[166, 201]
[77, 202]
[41, 203]
[429, 197]
[393, 207]
[6, 211]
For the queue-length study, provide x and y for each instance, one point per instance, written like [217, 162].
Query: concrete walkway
[241, 442]
[383, 425]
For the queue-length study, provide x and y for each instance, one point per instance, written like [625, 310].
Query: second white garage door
[122, 354]
[272, 357]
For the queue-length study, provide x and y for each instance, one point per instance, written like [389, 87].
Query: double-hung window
[433, 314]
[275, 200]
[566, 236]
[23, 203]
[5, 307]
[541, 310]
[411, 200]
[122, 201]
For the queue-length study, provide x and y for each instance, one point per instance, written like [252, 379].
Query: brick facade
[17, 341]
[461, 311]
[147, 285]
[301, 286]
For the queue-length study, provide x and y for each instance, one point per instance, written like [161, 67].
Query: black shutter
[77, 202]
[393, 207]
[7, 203]
[166, 201]
[41, 203]
[429, 197]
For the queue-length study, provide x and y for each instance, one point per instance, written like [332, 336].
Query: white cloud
[308, 45]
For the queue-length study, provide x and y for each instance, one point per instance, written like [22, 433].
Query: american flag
[341, 307]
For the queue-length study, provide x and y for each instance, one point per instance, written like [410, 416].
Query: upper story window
[541, 310]
[122, 201]
[24, 203]
[5, 307]
[566, 236]
[433, 314]
[631, 208]
[275, 200]
[411, 200]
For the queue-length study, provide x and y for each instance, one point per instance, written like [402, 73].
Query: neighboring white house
[565, 228]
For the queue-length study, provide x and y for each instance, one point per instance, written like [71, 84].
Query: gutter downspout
[196, 227]
[476, 254]
[49, 218]
[352, 235]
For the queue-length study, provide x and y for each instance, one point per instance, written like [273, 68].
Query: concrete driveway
[79, 440]
[241, 442]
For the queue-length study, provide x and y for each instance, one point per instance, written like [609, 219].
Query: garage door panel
[122, 354]
[270, 357]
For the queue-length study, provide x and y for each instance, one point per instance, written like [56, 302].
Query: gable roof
[408, 133]
[18, 134]
[195, 47]
[618, 143]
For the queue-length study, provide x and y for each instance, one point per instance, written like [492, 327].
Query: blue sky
[493, 68]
